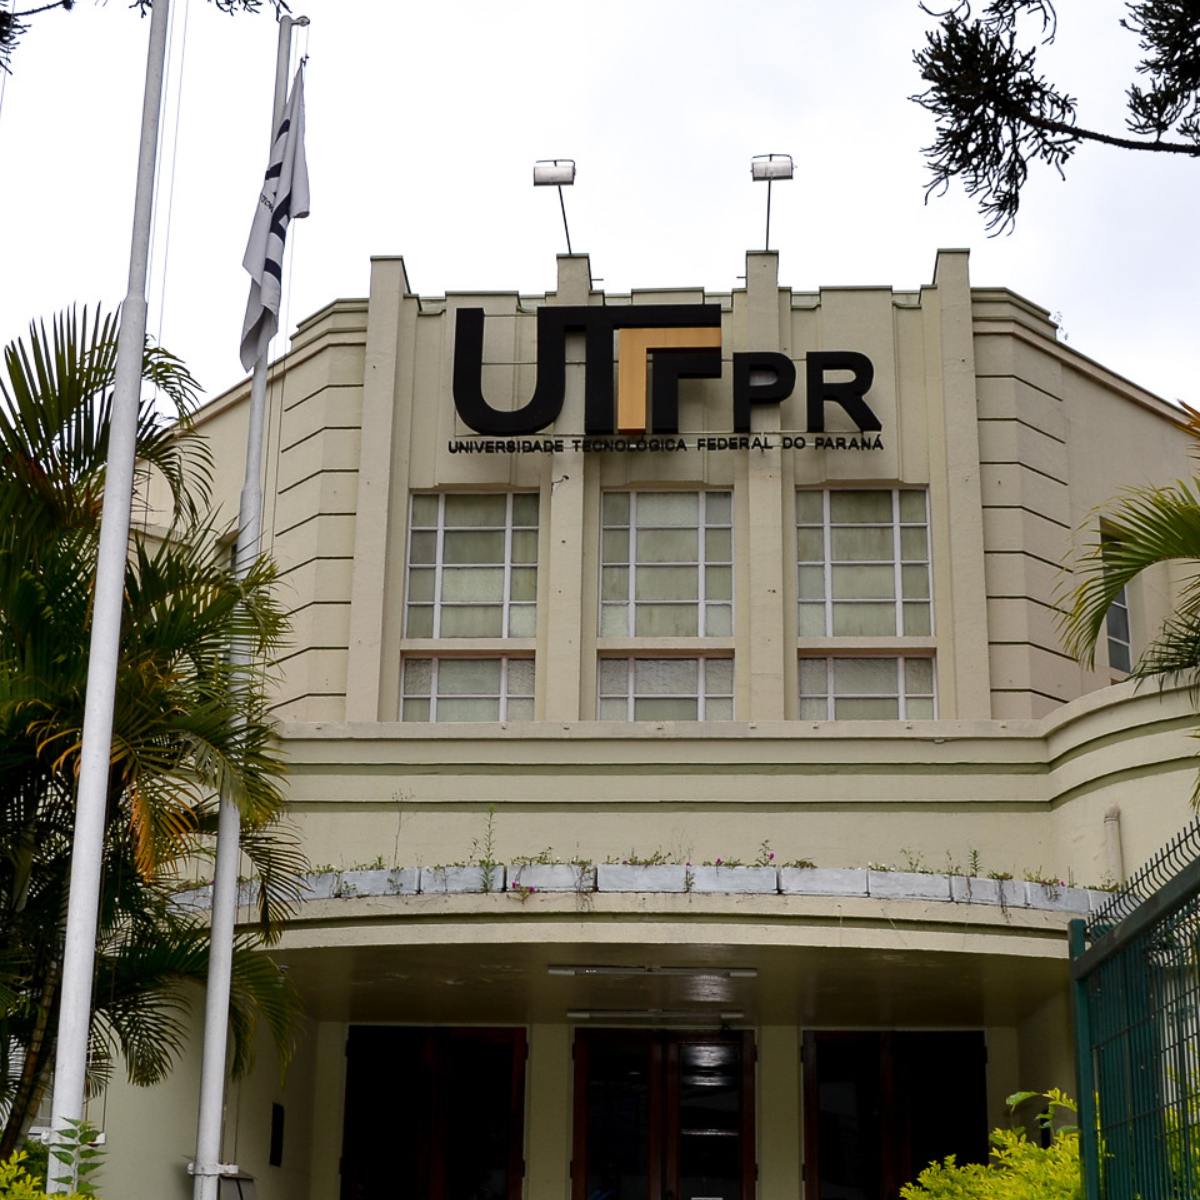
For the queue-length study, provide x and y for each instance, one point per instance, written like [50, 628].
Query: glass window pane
[520, 710]
[424, 512]
[419, 623]
[422, 548]
[869, 676]
[523, 583]
[418, 672]
[914, 545]
[810, 508]
[667, 545]
[468, 710]
[420, 584]
[810, 545]
[718, 545]
[1117, 621]
[918, 676]
[522, 620]
[472, 620]
[860, 507]
[614, 676]
[718, 676]
[614, 620]
[718, 710]
[814, 677]
[864, 620]
[473, 547]
[718, 583]
[811, 620]
[912, 507]
[667, 583]
[464, 509]
[415, 710]
[863, 582]
[866, 710]
[915, 582]
[524, 546]
[473, 583]
[676, 709]
[812, 583]
[666, 676]
[668, 508]
[916, 620]
[718, 620]
[469, 677]
[718, 508]
[614, 583]
[615, 545]
[920, 710]
[525, 509]
[858, 545]
[1119, 657]
[520, 676]
[666, 620]
[614, 710]
[814, 710]
[614, 508]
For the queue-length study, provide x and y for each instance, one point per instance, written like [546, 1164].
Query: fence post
[1085, 1082]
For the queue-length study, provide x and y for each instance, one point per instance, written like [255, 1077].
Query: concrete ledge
[622, 877]
[446, 880]
[907, 885]
[735, 879]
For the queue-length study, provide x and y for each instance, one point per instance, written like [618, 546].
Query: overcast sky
[424, 121]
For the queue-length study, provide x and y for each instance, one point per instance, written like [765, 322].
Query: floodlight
[768, 168]
[559, 173]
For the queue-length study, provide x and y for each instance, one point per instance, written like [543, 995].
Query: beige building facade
[546, 686]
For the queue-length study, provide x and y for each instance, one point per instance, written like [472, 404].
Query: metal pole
[207, 1167]
[563, 205]
[767, 242]
[1085, 1078]
[79, 951]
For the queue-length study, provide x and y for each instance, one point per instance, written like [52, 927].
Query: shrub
[1019, 1169]
[16, 1183]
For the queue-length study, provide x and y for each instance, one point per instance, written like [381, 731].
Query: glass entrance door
[663, 1116]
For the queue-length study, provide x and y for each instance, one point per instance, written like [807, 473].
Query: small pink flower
[771, 856]
[718, 862]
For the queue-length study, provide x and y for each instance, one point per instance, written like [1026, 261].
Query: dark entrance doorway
[879, 1107]
[433, 1114]
[663, 1116]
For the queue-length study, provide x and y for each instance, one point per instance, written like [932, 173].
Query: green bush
[1019, 1169]
[16, 1183]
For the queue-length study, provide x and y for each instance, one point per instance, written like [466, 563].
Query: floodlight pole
[563, 205]
[79, 942]
[207, 1168]
[767, 239]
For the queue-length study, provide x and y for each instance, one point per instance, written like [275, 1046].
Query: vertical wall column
[559, 664]
[756, 327]
[780, 1134]
[329, 1101]
[387, 396]
[548, 1122]
[955, 494]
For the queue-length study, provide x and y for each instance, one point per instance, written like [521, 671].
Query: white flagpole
[79, 953]
[207, 1168]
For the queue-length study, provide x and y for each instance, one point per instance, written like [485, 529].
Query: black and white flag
[284, 197]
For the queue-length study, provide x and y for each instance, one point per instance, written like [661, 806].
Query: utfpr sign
[683, 342]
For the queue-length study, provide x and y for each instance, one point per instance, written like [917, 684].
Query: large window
[1120, 652]
[472, 566]
[467, 689]
[863, 563]
[848, 689]
[666, 689]
[666, 565]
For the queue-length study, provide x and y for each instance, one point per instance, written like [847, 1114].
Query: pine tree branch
[1108, 139]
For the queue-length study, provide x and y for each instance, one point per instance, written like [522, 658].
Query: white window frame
[1121, 603]
[901, 694]
[897, 563]
[435, 660]
[701, 697]
[437, 603]
[701, 563]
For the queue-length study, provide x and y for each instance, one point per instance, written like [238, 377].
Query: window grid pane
[666, 564]
[859, 577]
[1120, 649]
[461, 552]
[467, 689]
[867, 688]
[666, 689]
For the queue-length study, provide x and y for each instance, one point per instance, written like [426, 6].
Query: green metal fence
[1135, 968]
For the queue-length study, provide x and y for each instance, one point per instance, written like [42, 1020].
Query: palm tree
[176, 742]
[1144, 526]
